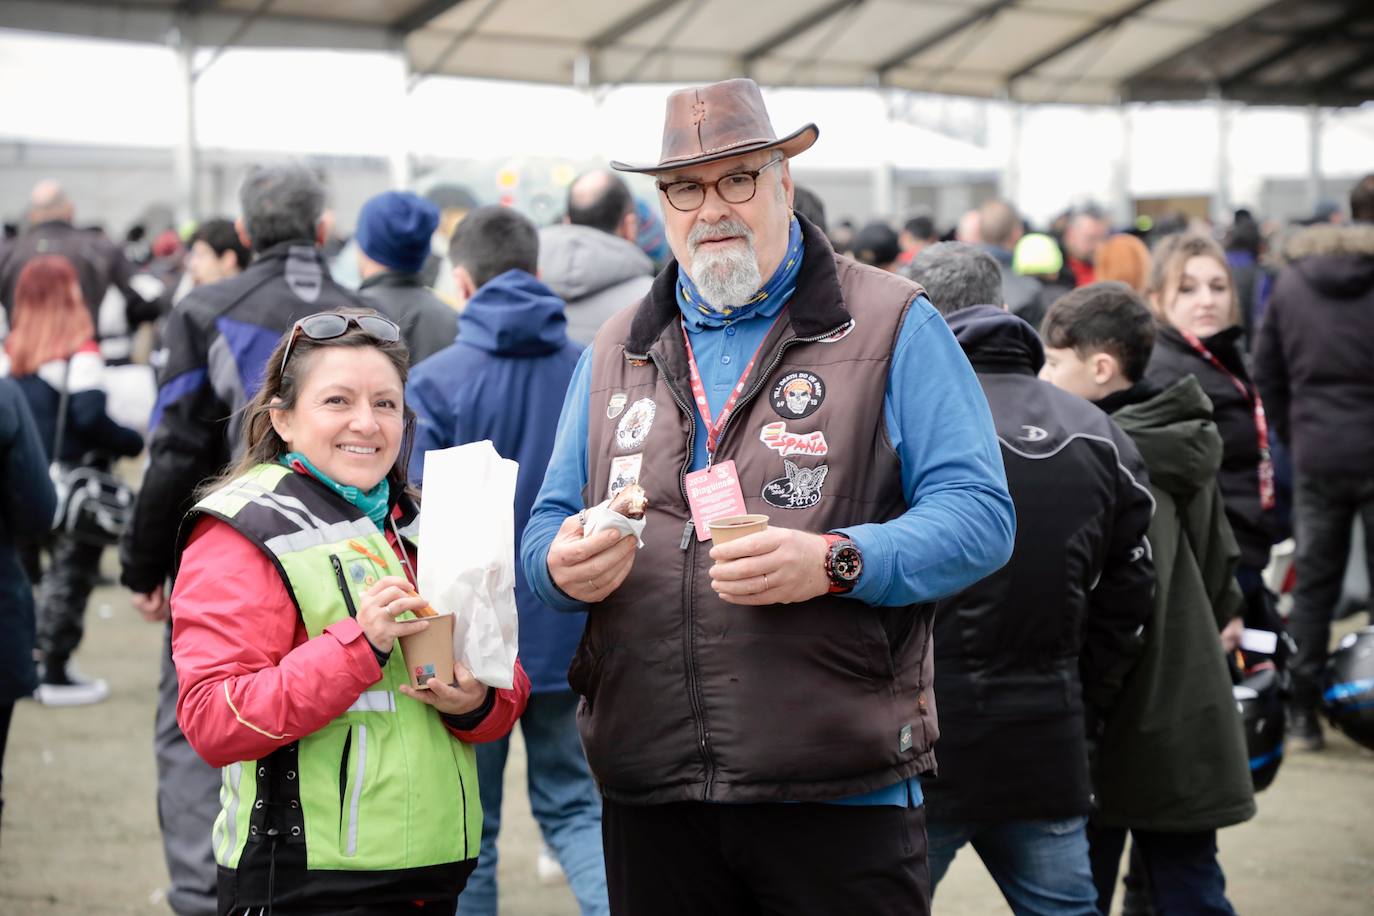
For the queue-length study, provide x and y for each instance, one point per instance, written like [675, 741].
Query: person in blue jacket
[26, 510]
[504, 380]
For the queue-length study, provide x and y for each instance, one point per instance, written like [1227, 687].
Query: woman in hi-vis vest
[345, 789]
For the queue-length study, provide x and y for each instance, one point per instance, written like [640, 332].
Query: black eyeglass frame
[384, 329]
[753, 174]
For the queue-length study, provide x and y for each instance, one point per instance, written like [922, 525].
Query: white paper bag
[467, 555]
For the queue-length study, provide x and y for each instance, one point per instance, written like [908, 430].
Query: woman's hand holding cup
[465, 694]
[389, 597]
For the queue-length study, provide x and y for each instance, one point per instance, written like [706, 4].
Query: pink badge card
[714, 492]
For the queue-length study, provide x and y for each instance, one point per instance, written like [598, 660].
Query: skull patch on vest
[800, 489]
[798, 394]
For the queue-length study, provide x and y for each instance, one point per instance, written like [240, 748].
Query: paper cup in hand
[429, 653]
[731, 527]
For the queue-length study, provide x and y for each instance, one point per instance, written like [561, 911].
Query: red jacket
[249, 680]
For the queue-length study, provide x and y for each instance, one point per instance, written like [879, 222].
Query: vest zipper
[343, 584]
[689, 544]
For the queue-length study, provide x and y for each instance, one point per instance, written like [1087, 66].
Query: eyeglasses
[328, 325]
[735, 188]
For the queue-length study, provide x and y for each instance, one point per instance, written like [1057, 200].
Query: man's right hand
[151, 606]
[589, 569]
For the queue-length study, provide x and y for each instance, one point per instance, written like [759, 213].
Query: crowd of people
[1033, 476]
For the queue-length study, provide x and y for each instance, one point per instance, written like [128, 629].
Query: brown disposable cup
[730, 527]
[429, 653]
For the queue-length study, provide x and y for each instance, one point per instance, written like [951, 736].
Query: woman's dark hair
[281, 387]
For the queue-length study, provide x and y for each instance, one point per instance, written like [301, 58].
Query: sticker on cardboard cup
[423, 673]
[714, 492]
[624, 471]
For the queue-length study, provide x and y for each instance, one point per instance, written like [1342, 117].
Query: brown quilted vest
[686, 697]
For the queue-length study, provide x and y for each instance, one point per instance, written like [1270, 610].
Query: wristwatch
[843, 563]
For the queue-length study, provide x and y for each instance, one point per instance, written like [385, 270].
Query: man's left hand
[777, 566]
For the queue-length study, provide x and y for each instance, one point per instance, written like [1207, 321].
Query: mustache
[706, 232]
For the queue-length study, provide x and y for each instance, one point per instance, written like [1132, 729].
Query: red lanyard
[699, 391]
[1266, 465]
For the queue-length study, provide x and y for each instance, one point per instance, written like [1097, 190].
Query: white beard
[726, 279]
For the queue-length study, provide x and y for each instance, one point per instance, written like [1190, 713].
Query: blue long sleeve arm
[561, 494]
[961, 523]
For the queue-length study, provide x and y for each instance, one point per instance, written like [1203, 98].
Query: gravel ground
[81, 835]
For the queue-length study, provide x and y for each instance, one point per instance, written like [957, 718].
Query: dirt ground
[81, 836]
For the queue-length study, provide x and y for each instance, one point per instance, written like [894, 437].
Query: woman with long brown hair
[52, 348]
[1194, 297]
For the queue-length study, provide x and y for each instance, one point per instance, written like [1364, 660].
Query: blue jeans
[563, 798]
[1041, 867]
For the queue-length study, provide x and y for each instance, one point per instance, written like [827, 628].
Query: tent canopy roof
[1066, 51]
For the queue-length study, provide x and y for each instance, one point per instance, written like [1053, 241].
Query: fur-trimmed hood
[1336, 260]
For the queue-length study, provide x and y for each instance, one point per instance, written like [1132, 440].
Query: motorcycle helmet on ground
[1259, 697]
[1348, 694]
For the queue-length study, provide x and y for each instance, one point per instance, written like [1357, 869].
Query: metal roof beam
[423, 15]
[634, 20]
[1105, 25]
[942, 35]
[1303, 40]
[795, 29]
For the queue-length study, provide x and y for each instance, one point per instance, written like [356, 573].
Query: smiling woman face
[348, 418]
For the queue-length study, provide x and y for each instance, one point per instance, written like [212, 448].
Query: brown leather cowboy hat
[718, 121]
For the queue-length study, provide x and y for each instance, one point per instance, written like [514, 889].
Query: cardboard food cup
[429, 653]
[730, 527]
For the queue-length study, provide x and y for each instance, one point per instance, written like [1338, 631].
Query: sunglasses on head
[328, 325]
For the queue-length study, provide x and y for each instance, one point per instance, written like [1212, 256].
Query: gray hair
[957, 276]
[281, 203]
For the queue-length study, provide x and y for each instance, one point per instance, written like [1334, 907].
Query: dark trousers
[693, 858]
[62, 597]
[1325, 511]
[6, 714]
[187, 803]
[1181, 874]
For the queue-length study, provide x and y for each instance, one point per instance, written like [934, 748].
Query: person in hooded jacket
[591, 260]
[504, 380]
[1036, 654]
[25, 508]
[1171, 766]
[1314, 364]
[1191, 291]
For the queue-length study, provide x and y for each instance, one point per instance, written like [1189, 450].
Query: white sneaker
[78, 693]
[547, 869]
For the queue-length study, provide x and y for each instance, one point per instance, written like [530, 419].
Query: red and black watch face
[846, 563]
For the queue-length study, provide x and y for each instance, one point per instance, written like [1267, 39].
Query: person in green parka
[1170, 764]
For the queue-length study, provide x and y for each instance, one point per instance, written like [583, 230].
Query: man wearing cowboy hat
[791, 665]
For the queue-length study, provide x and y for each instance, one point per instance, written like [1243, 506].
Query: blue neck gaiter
[374, 502]
[699, 313]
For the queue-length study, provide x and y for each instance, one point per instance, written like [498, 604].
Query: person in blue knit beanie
[393, 236]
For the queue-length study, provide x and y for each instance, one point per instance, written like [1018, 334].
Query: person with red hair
[1123, 257]
[52, 347]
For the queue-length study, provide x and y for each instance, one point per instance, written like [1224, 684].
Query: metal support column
[1221, 203]
[402, 173]
[185, 163]
[1314, 158]
[1011, 170]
